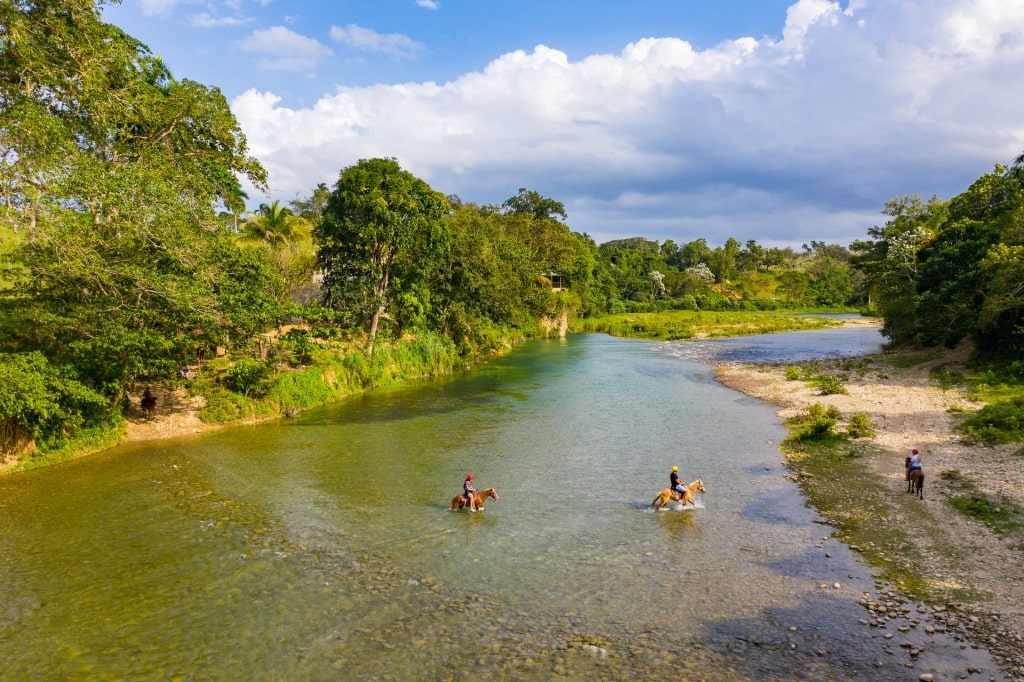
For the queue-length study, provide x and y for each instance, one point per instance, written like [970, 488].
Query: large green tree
[889, 260]
[110, 172]
[382, 229]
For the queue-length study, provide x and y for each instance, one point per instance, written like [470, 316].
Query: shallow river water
[322, 548]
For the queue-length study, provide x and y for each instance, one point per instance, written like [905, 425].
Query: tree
[272, 224]
[530, 203]
[110, 172]
[381, 226]
[695, 252]
[966, 281]
[311, 208]
[890, 260]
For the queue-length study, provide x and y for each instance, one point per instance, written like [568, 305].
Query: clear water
[322, 548]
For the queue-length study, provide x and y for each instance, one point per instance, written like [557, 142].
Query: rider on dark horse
[913, 462]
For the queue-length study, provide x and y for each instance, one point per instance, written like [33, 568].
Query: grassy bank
[687, 324]
[300, 368]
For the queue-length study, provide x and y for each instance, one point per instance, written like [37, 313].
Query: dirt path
[176, 414]
[911, 410]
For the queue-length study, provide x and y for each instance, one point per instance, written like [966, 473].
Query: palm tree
[271, 224]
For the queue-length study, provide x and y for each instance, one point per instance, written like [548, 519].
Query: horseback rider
[677, 484]
[468, 492]
[915, 462]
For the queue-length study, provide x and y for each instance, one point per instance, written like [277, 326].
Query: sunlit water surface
[322, 548]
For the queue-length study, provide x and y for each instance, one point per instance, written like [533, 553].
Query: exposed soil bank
[964, 568]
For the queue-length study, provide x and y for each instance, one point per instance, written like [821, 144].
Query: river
[322, 547]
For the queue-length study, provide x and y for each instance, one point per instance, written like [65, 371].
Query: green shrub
[794, 373]
[998, 423]
[829, 384]
[860, 426]
[297, 343]
[298, 390]
[47, 402]
[817, 425]
[249, 377]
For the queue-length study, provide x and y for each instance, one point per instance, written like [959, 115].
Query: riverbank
[959, 565]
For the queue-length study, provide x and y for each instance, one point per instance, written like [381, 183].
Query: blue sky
[778, 121]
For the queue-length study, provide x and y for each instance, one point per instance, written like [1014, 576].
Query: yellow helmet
[675, 468]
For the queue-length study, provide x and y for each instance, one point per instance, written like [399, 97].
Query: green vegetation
[860, 426]
[685, 324]
[998, 423]
[816, 425]
[830, 384]
[999, 513]
[944, 271]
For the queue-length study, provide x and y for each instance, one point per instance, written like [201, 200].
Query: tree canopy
[381, 229]
[110, 171]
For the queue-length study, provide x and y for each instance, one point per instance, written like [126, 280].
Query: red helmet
[469, 477]
[914, 451]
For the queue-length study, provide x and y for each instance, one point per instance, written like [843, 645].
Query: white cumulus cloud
[368, 40]
[282, 49]
[778, 141]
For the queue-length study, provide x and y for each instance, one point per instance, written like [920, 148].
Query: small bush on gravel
[860, 426]
[829, 384]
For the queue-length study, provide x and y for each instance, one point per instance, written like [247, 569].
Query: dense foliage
[946, 271]
[110, 170]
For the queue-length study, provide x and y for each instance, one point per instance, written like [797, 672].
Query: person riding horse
[914, 463]
[676, 483]
[467, 492]
[915, 474]
[148, 403]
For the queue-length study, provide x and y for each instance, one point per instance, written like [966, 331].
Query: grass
[998, 513]
[914, 359]
[688, 324]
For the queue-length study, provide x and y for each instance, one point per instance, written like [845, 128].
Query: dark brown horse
[148, 404]
[915, 480]
[460, 501]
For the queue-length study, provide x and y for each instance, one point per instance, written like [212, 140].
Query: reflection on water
[322, 548]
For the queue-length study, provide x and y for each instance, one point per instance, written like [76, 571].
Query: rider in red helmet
[467, 492]
[914, 462]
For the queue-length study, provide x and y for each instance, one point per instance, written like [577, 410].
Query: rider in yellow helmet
[677, 483]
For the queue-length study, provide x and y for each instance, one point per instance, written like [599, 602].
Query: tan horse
[915, 480]
[459, 501]
[668, 494]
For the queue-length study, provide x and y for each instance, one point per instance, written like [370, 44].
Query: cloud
[206, 20]
[161, 8]
[284, 49]
[781, 141]
[368, 40]
[428, 4]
